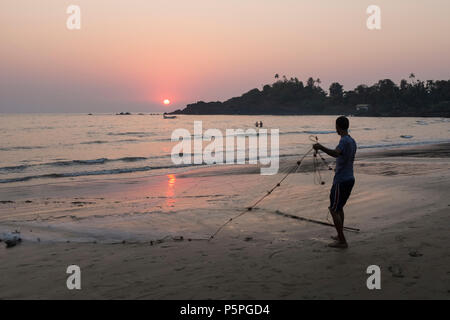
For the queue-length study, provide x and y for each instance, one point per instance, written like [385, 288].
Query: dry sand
[401, 203]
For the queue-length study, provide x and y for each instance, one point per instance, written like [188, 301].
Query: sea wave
[21, 148]
[68, 163]
[132, 133]
[95, 142]
[402, 144]
[14, 168]
[92, 173]
[256, 133]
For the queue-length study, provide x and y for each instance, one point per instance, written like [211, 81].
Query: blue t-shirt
[344, 163]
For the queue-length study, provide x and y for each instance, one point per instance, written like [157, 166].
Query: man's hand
[332, 153]
[317, 146]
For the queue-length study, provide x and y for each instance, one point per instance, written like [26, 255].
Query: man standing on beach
[343, 179]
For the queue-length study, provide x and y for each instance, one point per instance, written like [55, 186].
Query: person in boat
[344, 179]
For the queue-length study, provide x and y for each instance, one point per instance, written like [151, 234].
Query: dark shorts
[339, 194]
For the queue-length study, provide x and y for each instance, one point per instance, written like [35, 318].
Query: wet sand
[400, 203]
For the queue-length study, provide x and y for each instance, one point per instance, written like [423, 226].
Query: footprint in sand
[396, 271]
[179, 269]
[415, 254]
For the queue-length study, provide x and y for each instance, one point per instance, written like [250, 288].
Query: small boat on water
[168, 117]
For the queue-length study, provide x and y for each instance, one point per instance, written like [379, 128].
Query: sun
[166, 102]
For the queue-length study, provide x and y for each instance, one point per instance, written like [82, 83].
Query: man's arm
[332, 153]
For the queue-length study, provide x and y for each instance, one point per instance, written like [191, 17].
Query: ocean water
[41, 148]
[61, 176]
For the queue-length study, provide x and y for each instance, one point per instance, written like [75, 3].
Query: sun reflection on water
[170, 193]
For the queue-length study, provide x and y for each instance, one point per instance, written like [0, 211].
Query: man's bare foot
[338, 244]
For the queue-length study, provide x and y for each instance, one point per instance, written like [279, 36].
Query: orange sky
[131, 55]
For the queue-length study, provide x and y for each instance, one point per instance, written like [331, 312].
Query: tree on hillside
[336, 92]
[318, 82]
[291, 96]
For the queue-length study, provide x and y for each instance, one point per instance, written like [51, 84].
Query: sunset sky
[131, 55]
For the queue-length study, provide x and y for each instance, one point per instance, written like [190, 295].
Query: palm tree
[277, 75]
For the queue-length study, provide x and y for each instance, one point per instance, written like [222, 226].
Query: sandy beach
[167, 151]
[400, 202]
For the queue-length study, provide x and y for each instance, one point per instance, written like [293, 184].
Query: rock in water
[11, 239]
[12, 243]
